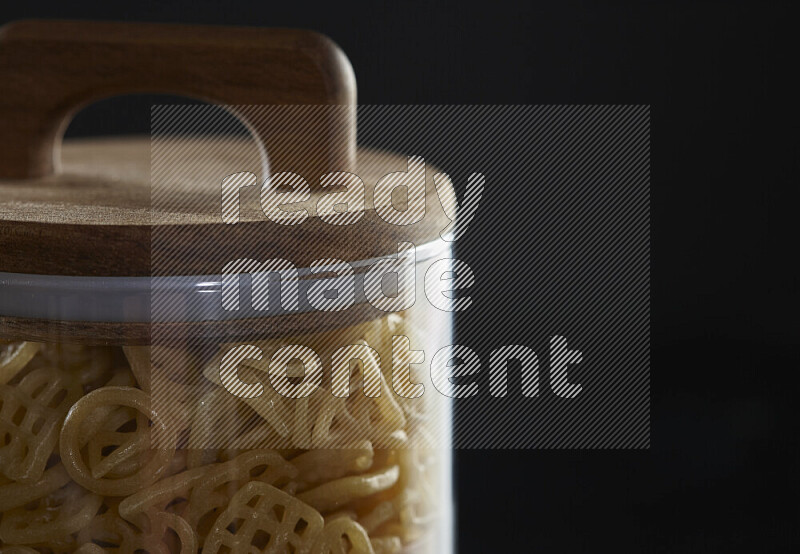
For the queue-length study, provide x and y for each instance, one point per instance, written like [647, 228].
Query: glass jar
[126, 429]
[79, 466]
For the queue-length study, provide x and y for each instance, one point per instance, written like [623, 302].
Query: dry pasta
[79, 471]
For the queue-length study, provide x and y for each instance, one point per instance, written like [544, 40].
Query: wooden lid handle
[50, 69]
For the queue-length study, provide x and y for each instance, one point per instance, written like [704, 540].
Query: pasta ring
[70, 444]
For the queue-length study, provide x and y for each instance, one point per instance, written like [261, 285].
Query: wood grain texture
[93, 214]
[50, 69]
[96, 218]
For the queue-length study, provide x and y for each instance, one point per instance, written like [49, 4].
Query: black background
[721, 471]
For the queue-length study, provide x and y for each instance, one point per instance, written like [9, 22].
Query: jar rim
[129, 299]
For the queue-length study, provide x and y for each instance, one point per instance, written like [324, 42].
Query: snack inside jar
[137, 411]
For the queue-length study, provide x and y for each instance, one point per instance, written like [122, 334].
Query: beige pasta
[79, 471]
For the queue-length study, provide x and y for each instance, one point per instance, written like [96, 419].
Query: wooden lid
[96, 216]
